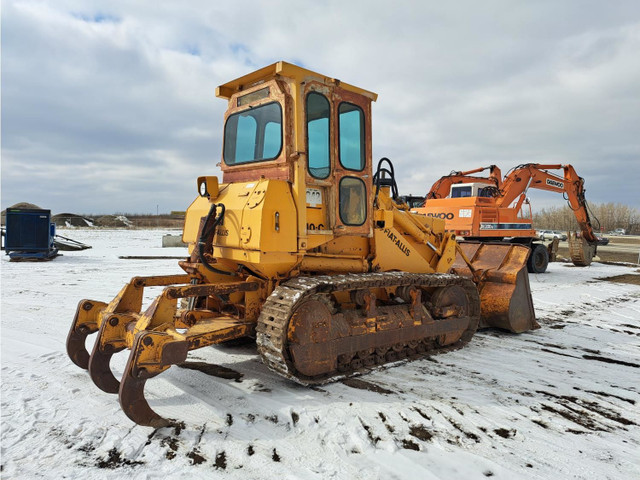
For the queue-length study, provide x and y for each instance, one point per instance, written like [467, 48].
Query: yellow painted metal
[333, 264]
[196, 211]
[447, 254]
[288, 70]
[259, 227]
[89, 318]
[211, 186]
[114, 330]
[396, 251]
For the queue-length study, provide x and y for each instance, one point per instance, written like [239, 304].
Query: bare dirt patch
[420, 432]
[625, 278]
[362, 385]
[606, 255]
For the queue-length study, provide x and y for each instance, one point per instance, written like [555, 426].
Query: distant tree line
[604, 217]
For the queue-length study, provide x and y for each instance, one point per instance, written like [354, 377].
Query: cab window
[486, 192]
[460, 192]
[254, 135]
[318, 112]
[351, 128]
[353, 201]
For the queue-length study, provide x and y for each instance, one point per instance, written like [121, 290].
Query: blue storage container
[29, 234]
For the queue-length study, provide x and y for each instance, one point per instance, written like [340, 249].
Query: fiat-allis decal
[403, 248]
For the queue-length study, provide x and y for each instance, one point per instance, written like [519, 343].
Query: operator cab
[471, 190]
[287, 123]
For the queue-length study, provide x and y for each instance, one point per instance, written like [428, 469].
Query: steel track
[271, 331]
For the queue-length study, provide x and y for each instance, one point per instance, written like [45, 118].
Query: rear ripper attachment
[158, 337]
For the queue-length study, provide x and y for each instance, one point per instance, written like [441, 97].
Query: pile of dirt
[19, 205]
[113, 221]
[71, 220]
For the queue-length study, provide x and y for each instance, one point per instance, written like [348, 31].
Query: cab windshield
[254, 135]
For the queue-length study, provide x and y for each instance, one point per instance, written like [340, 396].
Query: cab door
[338, 182]
[352, 175]
[319, 178]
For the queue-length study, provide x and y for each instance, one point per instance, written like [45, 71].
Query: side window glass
[245, 139]
[353, 201]
[351, 123]
[272, 140]
[318, 134]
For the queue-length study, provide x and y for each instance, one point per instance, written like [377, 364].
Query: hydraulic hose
[379, 181]
[209, 230]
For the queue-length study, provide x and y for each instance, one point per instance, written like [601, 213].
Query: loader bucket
[500, 272]
[580, 251]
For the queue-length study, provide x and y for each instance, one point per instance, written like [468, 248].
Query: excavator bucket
[580, 251]
[500, 272]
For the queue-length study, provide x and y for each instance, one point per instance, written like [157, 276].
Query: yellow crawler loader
[306, 248]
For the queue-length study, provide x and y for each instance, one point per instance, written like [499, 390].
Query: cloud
[110, 106]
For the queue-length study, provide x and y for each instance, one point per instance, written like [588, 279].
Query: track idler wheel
[151, 354]
[450, 301]
[309, 334]
[84, 323]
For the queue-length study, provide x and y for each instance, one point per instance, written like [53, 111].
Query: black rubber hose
[208, 230]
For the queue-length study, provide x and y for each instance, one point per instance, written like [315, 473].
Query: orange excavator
[490, 208]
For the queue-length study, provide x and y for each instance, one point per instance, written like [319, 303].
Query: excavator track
[274, 330]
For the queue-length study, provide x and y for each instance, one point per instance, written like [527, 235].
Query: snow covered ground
[560, 402]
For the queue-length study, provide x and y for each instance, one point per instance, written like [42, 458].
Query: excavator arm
[582, 248]
[441, 188]
[534, 175]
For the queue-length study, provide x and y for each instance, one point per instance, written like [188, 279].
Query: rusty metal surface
[100, 372]
[160, 280]
[211, 289]
[84, 323]
[131, 391]
[281, 172]
[154, 352]
[294, 339]
[503, 282]
[161, 345]
[110, 340]
[580, 250]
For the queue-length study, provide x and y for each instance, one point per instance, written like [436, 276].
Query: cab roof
[284, 69]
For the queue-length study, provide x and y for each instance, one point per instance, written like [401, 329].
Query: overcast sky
[110, 106]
